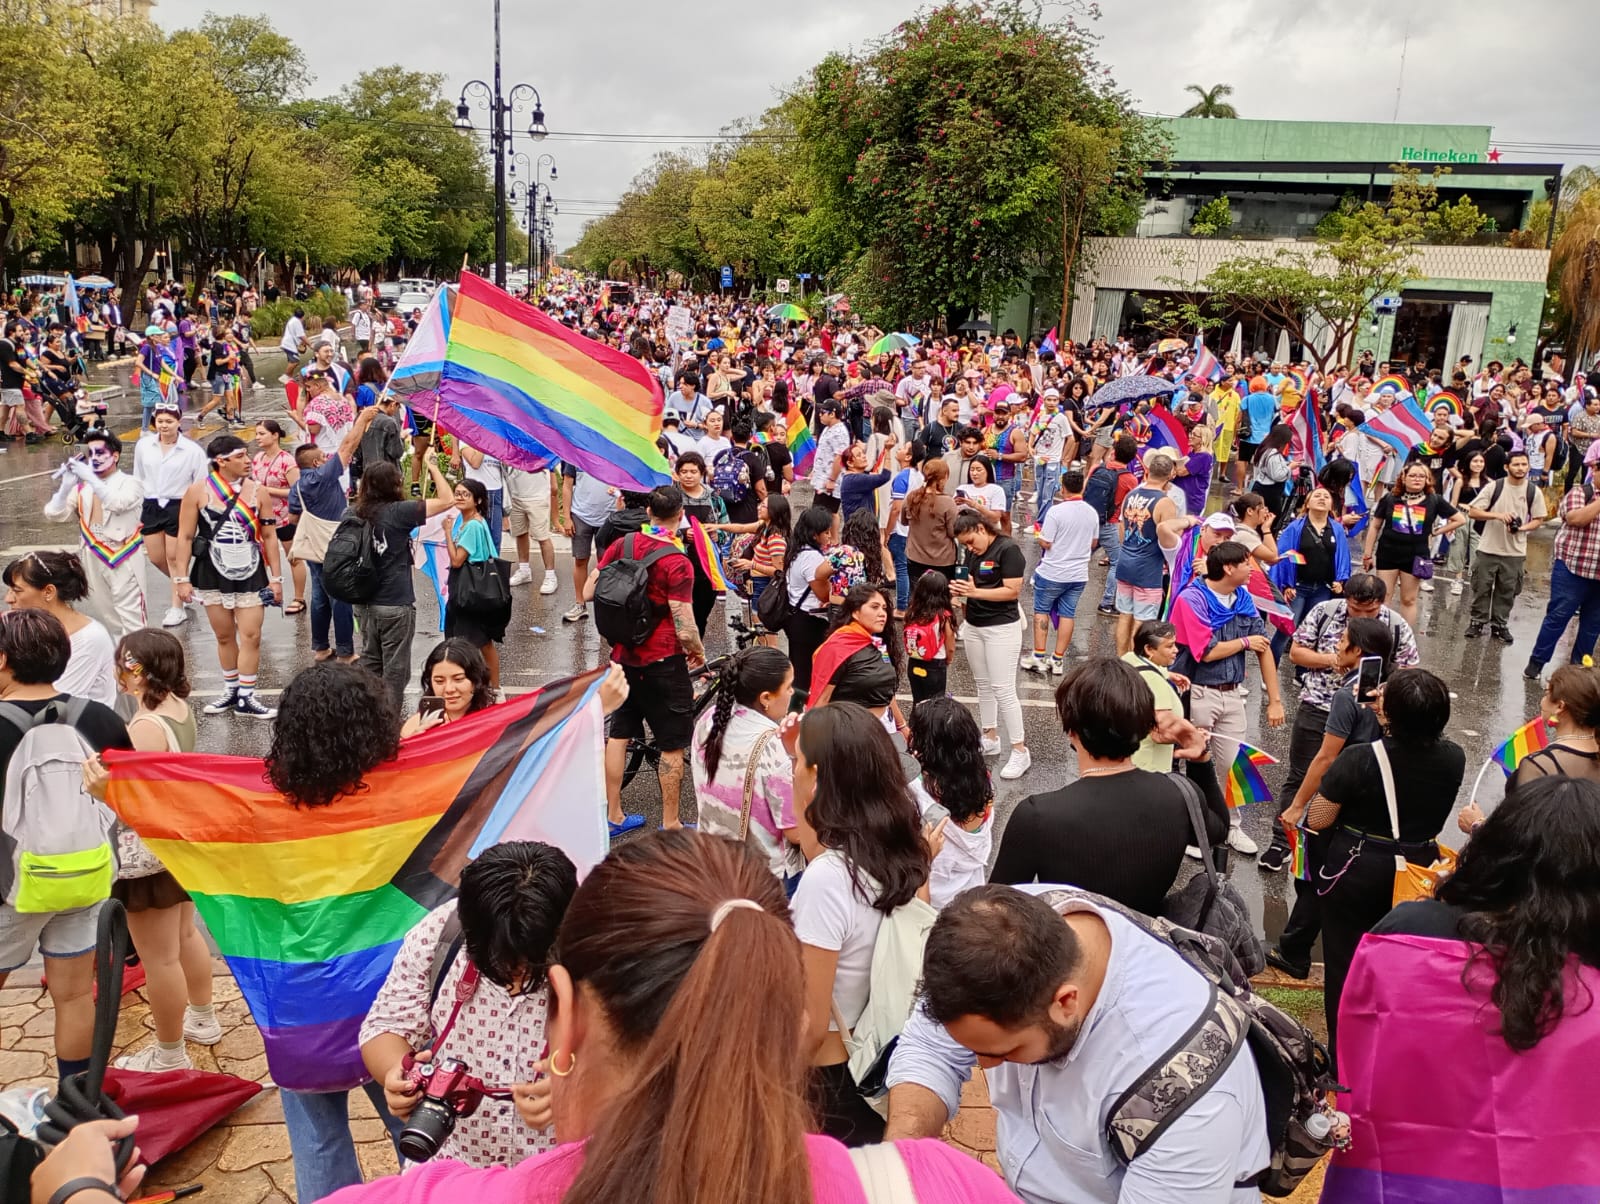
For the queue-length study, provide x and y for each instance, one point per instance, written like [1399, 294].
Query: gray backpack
[55, 839]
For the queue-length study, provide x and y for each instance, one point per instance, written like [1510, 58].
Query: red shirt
[1126, 483]
[671, 580]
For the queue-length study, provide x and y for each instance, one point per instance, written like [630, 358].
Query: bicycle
[641, 751]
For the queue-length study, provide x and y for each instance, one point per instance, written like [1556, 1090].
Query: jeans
[319, 1138]
[327, 611]
[1305, 599]
[1496, 582]
[496, 516]
[992, 652]
[1111, 545]
[902, 576]
[386, 633]
[1047, 481]
[1570, 595]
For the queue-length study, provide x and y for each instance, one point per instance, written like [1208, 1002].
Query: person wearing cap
[156, 358]
[1540, 443]
[165, 463]
[672, 437]
[106, 502]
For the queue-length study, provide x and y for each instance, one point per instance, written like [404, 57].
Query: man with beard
[1067, 1004]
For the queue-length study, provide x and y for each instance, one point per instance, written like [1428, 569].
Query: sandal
[295, 607]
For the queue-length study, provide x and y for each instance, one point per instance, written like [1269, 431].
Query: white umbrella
[1236, 348]
[1281, 356]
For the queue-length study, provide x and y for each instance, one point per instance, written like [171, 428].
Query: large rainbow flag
[525, 389]
[1441, 1108]
[801, 442]
[309, 905]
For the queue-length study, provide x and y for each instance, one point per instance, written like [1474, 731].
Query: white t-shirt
[294, 330]
[679, 442]
[1070, 528]
[1052, 438]
[963, 862]
[801, 573]
[709, 447]
[829, 913]
[487, 474]
[900, 486]
[91, 672]
[990, 496]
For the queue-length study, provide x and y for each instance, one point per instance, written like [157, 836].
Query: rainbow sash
[227, 493]
[110, 555]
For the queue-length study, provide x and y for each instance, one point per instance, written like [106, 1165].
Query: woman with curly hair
[948, 745]
[1507, 957]
[456, 674]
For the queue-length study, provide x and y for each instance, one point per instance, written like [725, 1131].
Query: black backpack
[350, 565]
[623, 612]
[1101, 491]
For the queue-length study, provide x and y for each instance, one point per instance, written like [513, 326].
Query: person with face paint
[106, 502]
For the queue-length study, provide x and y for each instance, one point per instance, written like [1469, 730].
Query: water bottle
[24, 1107]
[1318, 1126]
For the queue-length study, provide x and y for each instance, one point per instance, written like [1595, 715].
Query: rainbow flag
[1294, 557]
[705, 551]
[1449, 401]
[1297, 851]
[521, 387]
[1244, 783]
[309, 904]
[1529, 738]
[1392, 384]
[802, 443]
[1440, 1107]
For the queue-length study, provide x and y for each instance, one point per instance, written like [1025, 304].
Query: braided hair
[750, 674]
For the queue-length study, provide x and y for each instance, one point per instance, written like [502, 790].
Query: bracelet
[73, 1186]
[180, 581]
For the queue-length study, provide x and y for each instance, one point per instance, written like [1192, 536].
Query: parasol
[788, 312]
[95, 282]
[231, 278]
[1166, 345]
[1130, 389]
[1236, 348]
[976, 326]
[892, 343]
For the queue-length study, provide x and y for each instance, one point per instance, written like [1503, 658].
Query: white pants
[116, 596]
[1222, 712]
[992, 652]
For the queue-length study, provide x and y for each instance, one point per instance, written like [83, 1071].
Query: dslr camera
[449, 1092]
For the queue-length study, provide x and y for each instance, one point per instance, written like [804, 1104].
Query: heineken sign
[1429, 154]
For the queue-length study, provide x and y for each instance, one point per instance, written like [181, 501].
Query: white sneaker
[1455, 590]
[1030, 663]
[202, 1030]
[1058, 666]
[521, 575]
[1192, 851]
[577, 612]
[991, 746]
[175, 615]
[152, 1058]
[1240, 843]
[1017, 764]
[549, 585]
[1427, 587]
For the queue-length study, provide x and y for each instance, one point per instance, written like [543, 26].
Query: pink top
[939, 1174]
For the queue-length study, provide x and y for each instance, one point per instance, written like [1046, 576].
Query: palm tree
[1210, 103]
[1576, 261]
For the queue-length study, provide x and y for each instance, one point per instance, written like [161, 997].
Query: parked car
[413, 299]
[389, 294]
[417, 284]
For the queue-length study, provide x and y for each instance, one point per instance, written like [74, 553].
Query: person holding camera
[1508, 509]
[457, 1032]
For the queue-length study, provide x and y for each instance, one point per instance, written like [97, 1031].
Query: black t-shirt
[1406, 527]
[10, 378]
[935, 438]
[1318, 551]
[989, 570]
[98, 724]
[1121, 836]
[778, 458]
[391, 541]
[744, 510]
[1427, 778]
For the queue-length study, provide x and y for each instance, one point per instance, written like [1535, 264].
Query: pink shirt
[939, 1174]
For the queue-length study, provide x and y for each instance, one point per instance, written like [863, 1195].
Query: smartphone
[932, 813]
[431, 704]
[1368, 677]
[962, 572]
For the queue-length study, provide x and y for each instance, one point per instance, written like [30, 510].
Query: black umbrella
[1131, 388]
[978, 326]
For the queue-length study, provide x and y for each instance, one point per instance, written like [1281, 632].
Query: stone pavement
[245, 1159]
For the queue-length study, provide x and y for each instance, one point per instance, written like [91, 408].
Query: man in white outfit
[106, 502]
[165, 463]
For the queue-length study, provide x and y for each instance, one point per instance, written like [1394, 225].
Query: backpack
[1294, 1067]
[350, 565]
[773, 607]
[1101, 491]
[623, 612]
[891, 994]
[730, 475]
[55, 840]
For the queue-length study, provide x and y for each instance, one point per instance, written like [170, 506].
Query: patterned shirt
[721, 799]
[1578, 547]
[1323, 631]
[832, 443]
[498, 1036]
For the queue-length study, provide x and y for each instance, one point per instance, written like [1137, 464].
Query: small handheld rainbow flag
[1294, 557]
[1529, 738]
[802, 443]
[1297, 851]
[1244, 783]
[705, 551]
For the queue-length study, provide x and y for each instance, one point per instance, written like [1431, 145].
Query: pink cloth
[939, 1174]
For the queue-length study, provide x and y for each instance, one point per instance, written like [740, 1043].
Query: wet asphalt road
[1490, 696]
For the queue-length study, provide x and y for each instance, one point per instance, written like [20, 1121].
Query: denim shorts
[1058, 599]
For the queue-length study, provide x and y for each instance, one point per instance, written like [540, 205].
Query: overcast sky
[688, 69]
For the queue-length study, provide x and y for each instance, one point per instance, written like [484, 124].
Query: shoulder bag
[1410, 881]
[756, 750]
[1207, 903]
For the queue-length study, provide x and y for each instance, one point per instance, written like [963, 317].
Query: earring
[572, 1064]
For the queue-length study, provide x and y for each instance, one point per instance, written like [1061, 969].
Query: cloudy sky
[660, 73]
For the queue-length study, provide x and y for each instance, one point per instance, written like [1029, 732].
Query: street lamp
[501, 106]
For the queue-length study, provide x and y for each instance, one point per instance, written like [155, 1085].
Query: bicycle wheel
[639, 751]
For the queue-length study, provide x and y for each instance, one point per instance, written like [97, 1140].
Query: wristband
[73, 1186]
[180, 581]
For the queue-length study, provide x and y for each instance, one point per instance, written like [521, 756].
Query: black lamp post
[501, 105]
[531, 194]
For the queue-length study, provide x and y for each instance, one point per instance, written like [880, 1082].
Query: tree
[1575, 262]
[1213, 218]
[253, 61]
[1210, 103]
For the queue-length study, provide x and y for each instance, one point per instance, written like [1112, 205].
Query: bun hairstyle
[155, 658]
[42, 569]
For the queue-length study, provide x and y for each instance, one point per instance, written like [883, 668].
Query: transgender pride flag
[1205, 366]
[1401, 427]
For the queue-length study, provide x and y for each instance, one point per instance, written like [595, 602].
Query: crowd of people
[818, 970]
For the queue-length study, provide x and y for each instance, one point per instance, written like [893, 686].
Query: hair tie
[721, 913]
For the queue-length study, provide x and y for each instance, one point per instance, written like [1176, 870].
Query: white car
[417, 284]
[410, 300]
